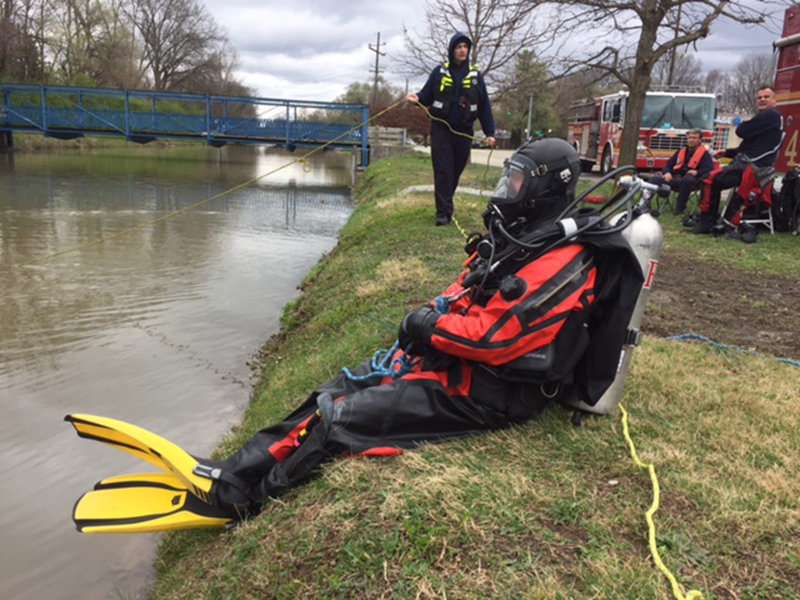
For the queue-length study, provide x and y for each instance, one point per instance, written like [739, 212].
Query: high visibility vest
[444, 94]
[694, 161]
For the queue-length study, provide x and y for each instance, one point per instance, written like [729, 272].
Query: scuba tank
[646, 238]
[634, 233]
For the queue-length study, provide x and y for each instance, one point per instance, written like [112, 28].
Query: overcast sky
[312, 49]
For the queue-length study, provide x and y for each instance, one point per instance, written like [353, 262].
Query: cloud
[313, 48]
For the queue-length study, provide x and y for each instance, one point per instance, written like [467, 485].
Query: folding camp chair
[754, 203]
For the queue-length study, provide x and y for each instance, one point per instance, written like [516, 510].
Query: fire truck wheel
[607, 164]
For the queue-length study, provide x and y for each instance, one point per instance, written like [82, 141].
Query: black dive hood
[506, 241]
[535, 187]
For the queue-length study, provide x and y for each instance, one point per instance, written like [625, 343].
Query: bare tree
[748, 75]
[716, 82]
[116, 55]
[628, 37]
[71, 39]
[117, 43]
[680, 69]
[19, 57]
[499, 29]
[8, 35]
[216, 74]
[179, 39]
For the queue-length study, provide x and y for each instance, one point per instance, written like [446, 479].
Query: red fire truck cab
[595, 127]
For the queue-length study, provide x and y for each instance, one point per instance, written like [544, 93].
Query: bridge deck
[140, 116]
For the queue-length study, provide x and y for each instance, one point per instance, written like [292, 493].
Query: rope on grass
[651, 526]
[702, 338]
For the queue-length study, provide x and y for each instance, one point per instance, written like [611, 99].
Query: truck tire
[607, 162]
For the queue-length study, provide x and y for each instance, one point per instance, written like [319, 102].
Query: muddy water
[154, 327]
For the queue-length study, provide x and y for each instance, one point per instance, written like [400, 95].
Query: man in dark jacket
[761, 140]
[686, 168]
[456, 93]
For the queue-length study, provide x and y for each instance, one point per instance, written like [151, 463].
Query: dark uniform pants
[685, 184]
[449, 154]
[721, 179]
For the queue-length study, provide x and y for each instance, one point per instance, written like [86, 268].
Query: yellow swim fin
[145, 503]
[159, 452]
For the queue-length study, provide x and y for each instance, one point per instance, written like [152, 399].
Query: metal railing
[143, 116]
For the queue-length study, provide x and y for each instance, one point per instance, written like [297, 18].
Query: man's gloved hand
[417, 326]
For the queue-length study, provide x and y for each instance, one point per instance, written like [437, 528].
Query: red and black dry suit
[469, 380]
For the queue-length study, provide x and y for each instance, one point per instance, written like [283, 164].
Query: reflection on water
[153, 327]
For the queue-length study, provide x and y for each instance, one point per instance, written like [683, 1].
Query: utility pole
[530, 112]
[378, 54]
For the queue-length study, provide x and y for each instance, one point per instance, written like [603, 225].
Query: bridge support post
[364, 136]
[6, 141]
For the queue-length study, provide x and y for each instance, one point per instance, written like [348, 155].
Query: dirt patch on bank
[748, 310]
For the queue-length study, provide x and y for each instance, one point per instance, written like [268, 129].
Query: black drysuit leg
[372, 419]
[399, 415]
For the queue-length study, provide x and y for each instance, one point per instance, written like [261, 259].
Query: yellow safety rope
[302, 160]
[676, 588]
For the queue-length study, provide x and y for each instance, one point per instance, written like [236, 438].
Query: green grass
[30, 142]
[773, 254]
[542, 511]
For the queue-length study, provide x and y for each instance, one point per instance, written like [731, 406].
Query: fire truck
[595, 126]
[787, 89]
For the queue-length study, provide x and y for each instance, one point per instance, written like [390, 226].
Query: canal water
[154, 327]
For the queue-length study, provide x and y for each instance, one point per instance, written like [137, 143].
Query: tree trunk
[6, 33]
[633, 119]
[639, 82]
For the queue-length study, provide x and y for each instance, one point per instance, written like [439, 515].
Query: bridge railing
[142, 116]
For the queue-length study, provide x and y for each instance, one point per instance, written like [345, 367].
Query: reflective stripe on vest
[443, 98]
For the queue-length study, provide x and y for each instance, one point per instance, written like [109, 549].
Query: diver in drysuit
[535, 313]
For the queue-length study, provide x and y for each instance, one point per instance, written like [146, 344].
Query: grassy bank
[36, 142]
[543, 511]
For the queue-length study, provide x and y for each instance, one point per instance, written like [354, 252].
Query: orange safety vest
[694, 161]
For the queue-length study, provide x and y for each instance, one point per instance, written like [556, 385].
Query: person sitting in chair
[686, 169]
[761, 140]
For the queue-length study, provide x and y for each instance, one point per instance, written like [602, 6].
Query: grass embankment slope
[36, 142]
[546, 510]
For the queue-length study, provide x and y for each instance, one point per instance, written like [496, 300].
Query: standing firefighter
[543, 309]
[456, 93]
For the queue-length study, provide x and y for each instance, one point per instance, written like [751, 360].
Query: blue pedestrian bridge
[143, 116]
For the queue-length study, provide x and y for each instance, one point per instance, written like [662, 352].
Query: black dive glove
[417, 326]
